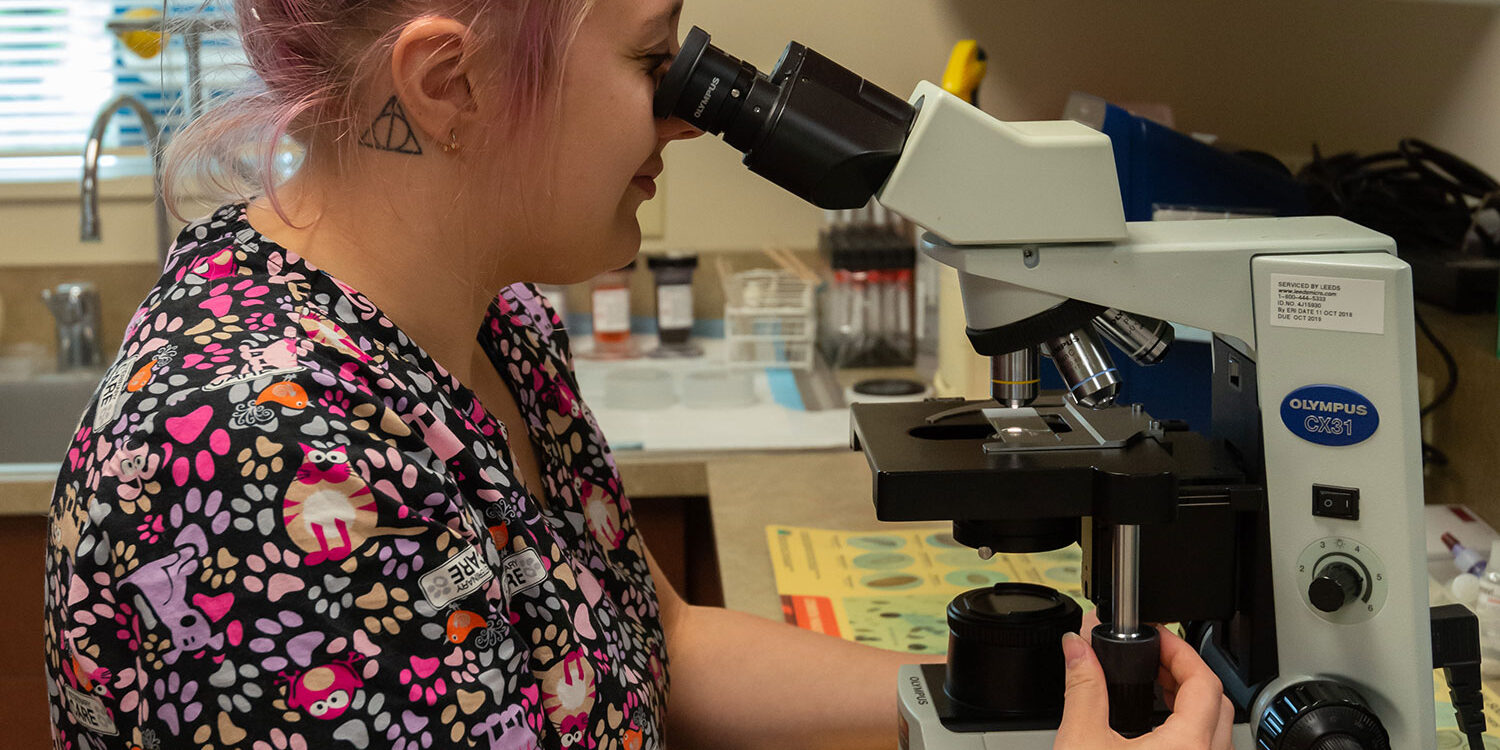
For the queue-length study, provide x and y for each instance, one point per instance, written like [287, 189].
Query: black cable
[1432, 456]
[1455, 650]
[1429, 200]
[1424, 197]
[1448, 362]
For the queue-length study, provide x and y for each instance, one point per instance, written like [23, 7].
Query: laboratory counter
[828, 489]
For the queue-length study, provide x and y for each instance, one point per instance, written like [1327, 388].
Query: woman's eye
[656, 65]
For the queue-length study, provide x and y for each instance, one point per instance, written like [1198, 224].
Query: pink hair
[311, 59]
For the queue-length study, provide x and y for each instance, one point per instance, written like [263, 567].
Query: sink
[39, 414]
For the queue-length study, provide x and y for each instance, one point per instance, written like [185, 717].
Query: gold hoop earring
[452, 145]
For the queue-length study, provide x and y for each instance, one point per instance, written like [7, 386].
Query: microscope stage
[929, 465]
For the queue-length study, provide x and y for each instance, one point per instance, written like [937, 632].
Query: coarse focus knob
[1334, 587]
[1320, 715]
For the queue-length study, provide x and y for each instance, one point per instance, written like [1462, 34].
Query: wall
[1466, 429]
[1276, 75]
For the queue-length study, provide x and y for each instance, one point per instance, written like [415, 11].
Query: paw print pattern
[283, 526]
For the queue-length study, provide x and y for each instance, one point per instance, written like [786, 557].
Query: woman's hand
[1201, 716]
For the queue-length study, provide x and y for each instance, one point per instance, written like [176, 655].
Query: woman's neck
[408, 256]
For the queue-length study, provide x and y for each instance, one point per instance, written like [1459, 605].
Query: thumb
[1086, 700]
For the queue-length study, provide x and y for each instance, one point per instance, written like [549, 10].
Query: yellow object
[891, 589]
[961, 371]
[147, 44]
[966, 68]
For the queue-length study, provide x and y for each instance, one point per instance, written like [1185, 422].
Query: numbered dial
[1336, 585]
[1342, 580]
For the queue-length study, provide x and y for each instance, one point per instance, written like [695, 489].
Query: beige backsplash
[123, 286]
[26, 319]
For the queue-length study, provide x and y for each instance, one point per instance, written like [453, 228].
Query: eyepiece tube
[1086, 367]
[1015, 378]
[1145, 340]
[811, 126]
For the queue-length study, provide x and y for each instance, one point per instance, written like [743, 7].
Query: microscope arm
[1029, 214]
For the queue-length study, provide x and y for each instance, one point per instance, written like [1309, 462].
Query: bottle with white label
[611, 314]
[674, 303]
[1488, 610]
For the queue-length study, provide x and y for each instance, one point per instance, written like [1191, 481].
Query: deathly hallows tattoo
[391, 131]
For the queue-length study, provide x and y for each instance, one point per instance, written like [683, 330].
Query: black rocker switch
[1335, 502]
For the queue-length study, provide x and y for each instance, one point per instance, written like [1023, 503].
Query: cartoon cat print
[329, 511]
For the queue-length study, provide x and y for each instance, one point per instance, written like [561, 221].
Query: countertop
[822, 489]
[828, 489]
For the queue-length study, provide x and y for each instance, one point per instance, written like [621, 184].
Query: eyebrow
[665, 17]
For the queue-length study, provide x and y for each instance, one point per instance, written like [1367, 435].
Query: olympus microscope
[1289, 542]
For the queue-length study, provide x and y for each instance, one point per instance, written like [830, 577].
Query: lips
[646, 185]
[646, 178]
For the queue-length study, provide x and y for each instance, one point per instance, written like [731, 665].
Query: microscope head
[811, 126]
[836, 140]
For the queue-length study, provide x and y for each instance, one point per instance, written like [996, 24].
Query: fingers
[1196, 687]
[1197, 698]
[1223, 739]
[1090, 621]
[1086, 701]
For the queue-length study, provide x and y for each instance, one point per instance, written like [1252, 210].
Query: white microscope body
[1030, 215]
[1305, 586]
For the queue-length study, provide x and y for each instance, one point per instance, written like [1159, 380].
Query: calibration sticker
[1328, 303]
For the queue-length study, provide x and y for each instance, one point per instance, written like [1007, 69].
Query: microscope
[1288, 542]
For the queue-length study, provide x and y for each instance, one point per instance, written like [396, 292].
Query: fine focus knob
[1338, 742]
[1334, 587]
[1320, 715]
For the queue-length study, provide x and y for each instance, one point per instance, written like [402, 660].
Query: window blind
[59, 65]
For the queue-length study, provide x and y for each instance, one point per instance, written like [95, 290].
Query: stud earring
[452, 145]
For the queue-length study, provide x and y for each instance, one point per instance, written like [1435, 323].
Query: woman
[307, 508]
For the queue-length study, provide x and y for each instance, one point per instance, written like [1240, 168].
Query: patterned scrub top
[282, 525]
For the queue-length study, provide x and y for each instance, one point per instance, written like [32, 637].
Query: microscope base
[920, 689]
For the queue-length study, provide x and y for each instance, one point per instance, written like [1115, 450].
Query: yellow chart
[891, 589]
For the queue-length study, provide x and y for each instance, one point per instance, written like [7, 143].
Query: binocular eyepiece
[811, 126]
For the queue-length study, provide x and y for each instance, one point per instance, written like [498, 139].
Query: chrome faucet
[88, 229]
[75, 305]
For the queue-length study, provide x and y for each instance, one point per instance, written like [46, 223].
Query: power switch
[1335, 502]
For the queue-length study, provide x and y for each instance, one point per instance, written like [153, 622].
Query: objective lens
[1015, 377]
[1086, 368]
[1145, 340]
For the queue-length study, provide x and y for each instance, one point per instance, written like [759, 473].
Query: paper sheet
[891, 589]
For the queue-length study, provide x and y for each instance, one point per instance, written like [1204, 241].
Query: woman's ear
[430, 69]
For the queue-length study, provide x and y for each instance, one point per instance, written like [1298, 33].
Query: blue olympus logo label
[1329, 415]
